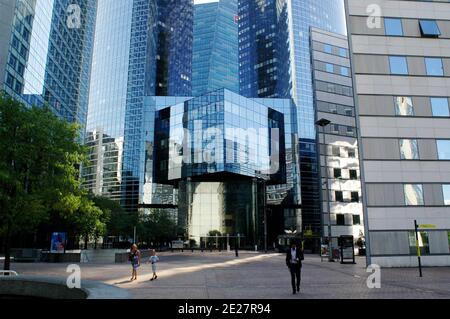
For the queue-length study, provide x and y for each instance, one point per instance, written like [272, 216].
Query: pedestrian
[153, 259]
[135, 259]
[294, 259]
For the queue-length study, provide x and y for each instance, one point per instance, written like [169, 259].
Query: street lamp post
[323, 123]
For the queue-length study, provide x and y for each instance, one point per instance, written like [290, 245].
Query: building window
[351, 153]
[403, 106]
[355, 197]
[337, 173]
[409, 149]
[335, 151]
[434, 66]
[424, 243]
[339, 196]
[393, 26]
[413, 194]
[443, 147]
[356, 220]
[343, 53]
[353, 174]
[344, 71]
[340, 219]
[398, 65]
[9, 79]
[439, 106]
[327, 48]
[429, 28]
[329, 67]
[446, 191]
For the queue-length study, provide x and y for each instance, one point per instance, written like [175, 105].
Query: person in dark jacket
[294, 259]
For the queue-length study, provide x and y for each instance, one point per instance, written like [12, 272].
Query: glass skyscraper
[45, 53]
[274, 50]
[275, 61]
[141, 49]
[215, 49]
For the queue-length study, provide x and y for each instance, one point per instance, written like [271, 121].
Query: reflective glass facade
[141, 49]
[215, 49]
[274, 50]
[46, 51]
[216, 156]
[107, 98]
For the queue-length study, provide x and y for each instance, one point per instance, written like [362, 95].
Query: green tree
[39, 170]
[158, 226]
[119, 223]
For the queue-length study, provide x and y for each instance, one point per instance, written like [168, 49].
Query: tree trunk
[86, 238]
[7, 264]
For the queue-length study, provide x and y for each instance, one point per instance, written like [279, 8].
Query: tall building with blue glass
[215, 61]
[46, 52]
[141, 49]
[275, 61]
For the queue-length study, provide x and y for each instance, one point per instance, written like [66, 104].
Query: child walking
[153, 259]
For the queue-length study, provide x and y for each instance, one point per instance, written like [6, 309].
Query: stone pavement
[255, 276]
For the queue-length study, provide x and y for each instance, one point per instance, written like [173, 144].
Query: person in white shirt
[153, 259]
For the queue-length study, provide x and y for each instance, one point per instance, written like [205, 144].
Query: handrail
[8, 272]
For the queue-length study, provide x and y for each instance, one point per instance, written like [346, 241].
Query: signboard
[427, 226]
[177, 244]
[58, 243]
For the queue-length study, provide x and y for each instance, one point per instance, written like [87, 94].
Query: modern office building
[212, 157]
[45, 53]
[401, 64]
[275, 62]
[141, 49]
[337, 136]
[215, 61]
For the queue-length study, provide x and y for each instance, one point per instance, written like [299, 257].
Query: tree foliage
[119, 222]
[39, 172]
[158, 227]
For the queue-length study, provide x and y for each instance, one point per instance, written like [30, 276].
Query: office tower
[219, 151]
[337, 137]
[275, 61]
[274, 49]
[401, 70]
[45, 53]
[141, 49]
[215, 48]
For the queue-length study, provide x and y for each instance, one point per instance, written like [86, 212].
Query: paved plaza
[253, 276]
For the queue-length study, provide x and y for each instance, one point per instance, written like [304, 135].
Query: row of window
[428, 28]
[340, 220]
[404, 106]
[332, 68]
[338, 151]
[331, 49]
[399, 66]
[414, 195]
[352, 174]
[409, 149]
[346, 197]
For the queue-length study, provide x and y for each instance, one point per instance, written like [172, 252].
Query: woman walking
[135, 259]
[153, 259]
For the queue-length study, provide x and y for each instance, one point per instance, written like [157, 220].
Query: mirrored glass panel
[409, 149]
[439, 106]
[404, 106]
[413, 194]
[443, 147]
